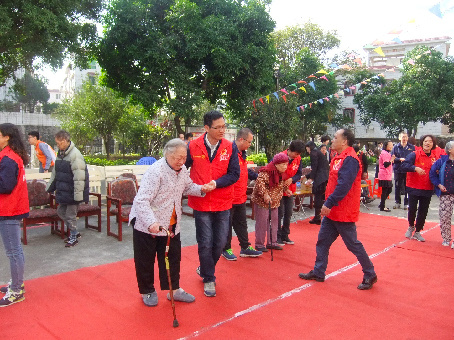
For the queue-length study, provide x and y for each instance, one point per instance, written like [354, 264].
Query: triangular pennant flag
[320, 101]
[337, 96]
[347, 90]
[312, 85]
[333, 65]
[332, 72]
[284, 90]
[310, 105]
[268, 99]
[395, 32]
[312, 76]
[294, 92]
[411, 61]
[412, 21]
[397, 40]
[436, 10]
[326, 98]
[324, 77]
[358, 61]
[302, 82]
[293, 85]
[253, 103]
[302, 89]
[261, 101]
[322, 71]
[379, 51]
[276, 95]
[285, 99]
[302, 107]
[298, 108]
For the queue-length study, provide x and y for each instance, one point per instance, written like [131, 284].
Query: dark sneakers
[311, 276]
[274, 246]
[286, 240]
[367, 283]
[262, 249]
[315, 221]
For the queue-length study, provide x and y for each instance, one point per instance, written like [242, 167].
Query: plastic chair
[146, 161]
[376, 190]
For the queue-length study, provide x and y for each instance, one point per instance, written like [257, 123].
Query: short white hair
[172, 146]
[449, 146]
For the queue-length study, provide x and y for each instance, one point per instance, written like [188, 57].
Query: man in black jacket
[318, 177]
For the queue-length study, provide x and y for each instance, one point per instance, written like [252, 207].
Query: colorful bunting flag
[358, 61]
[312, 85]
[268, 99]
[261, 101]
[285, 99]
[322, 71]
[276, 95]
[411, 61]
[303, 89]
[284, 90]
[324, 77]
[320, 101]
[379, 51]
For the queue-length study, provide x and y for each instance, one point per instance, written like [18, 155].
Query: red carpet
[413, 298]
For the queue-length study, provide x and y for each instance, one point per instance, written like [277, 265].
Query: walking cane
[271, 233]
[175, 321]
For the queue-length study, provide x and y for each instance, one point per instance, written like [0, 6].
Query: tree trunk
[106, 146]
[177, 122]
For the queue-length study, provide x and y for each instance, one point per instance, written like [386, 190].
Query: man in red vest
[341, 211]
[214, 159]
[45, 154]
[238, 212]
[294, 172]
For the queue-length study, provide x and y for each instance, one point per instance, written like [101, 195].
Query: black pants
[284, 216]
[319, 199]
[400, 182]
[146, 249]
[385, 191]
[239, 223]
[424, 202]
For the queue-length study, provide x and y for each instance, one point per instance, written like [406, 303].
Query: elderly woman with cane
[158, 204]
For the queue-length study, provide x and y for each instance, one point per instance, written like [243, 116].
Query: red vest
[348, 208]
[416, 181]
[291, 170]
[41, 156]
[203, 171]
[240, 187]
[15, 203]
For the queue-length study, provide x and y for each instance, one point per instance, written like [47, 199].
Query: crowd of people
[216, 185]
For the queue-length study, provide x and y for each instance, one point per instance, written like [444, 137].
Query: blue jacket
[401, 152]
[437, 173]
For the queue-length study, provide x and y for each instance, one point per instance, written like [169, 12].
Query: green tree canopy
[291, 40]
[424, 93]
[94, 111]
[30, 90]
[173, 54]
[45, 29]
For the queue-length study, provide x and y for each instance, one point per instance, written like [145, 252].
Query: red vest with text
[240, 187]
[348, 208]
[41, 156]
[203, 171]
[291, 170]
[15, 203]
[416, 181]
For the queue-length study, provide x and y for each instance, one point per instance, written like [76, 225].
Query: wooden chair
[87, 209]
[120, 193]
[42, 209]
[131, 176]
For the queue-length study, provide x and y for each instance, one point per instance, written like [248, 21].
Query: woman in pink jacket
[385, 173]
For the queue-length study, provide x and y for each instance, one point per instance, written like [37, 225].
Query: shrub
[106, 162]
[258, 158]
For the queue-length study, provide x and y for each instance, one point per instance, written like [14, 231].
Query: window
[349, 113]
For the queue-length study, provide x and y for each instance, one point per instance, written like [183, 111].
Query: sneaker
[250, 252]
[4, 289]
[261, 248]
[311, 276]
[274, 246]
[280, 242]
[71, 242]
[12, 297]
[209, 289]
[77, 236]
[150, 299]
[315, 221]
[368, 200]
[181, 295]
[417, 236]
[445, 244]
[406, 207]
[288, 241]
[396, 206]
[367, 283]
[409, 232]
[229, 255]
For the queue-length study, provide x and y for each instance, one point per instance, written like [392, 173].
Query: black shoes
[286, 240]
[311, 276]
[273, 246]
[315, 221]
[262, 249]
[367, 283]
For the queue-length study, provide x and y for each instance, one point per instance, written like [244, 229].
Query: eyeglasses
[218, 127]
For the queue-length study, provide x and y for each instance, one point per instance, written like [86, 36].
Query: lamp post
[277, 75]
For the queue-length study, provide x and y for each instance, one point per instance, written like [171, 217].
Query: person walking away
[238, 220]
[318, 178]
[419, 187]
[212, 158]
[13, 207]
[158, 204]
[70, 182]
[341, 211]
[294, 172]
[385, 174]
[44, 152]
[442, 177]
[401, 150]
[268, 190]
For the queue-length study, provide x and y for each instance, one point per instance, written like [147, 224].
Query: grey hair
[172, 145]
[63, 135]
[449, 146]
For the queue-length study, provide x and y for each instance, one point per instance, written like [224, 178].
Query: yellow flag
[302, 88]
[322, 71]
[379, 51]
